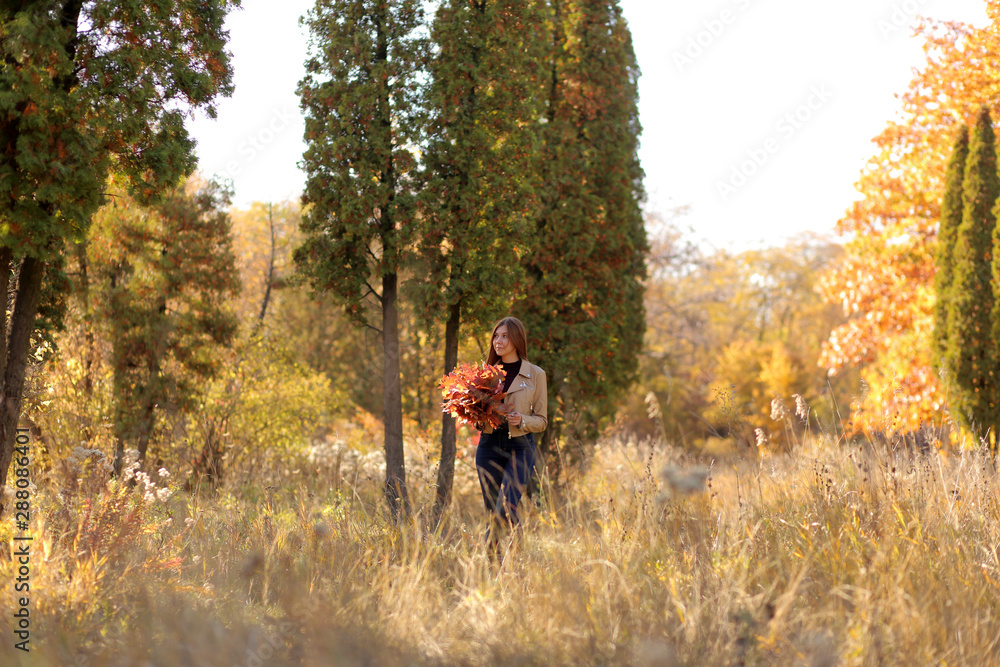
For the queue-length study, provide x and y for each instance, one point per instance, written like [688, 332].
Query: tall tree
[971, 349]
[885, 281]
[89, 87]
[360, 97]
[951, 220]
[583, 298]
[484, 98]
[167, 275]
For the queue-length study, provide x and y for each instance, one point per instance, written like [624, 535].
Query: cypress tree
[360, 97]
[484, 98]
[583, 296]
[951, 219]
[970, 346]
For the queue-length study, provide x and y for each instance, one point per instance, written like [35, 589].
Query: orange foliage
[885, 282]
[475, 394]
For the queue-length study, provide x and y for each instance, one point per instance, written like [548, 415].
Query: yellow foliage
[740, 331]
[885, 282]
[267, 407]
[750, 376]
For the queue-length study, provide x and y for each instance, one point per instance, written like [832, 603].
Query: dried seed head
[801, 409]
[779, 411]
[653, 407]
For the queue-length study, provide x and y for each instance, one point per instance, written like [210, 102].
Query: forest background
[477, 161]
[148, 344]
[515, 187]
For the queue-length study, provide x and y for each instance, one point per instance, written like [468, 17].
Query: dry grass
[853, 555]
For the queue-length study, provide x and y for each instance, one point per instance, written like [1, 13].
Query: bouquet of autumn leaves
[474, 394]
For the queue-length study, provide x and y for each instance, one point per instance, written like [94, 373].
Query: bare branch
[371, 290]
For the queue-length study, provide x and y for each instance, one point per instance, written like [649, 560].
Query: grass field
[852, 555]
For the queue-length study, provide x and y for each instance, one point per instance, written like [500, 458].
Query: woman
[505, 457]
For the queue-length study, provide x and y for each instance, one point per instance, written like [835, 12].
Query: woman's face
[501, 343]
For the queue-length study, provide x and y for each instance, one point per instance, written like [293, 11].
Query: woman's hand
[514, 419]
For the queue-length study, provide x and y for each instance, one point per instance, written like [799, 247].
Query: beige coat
[528, 395]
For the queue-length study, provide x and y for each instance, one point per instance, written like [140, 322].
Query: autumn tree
[360, 97]
[775, 329]
[582, 299]
[164, 276]
[729, 333]
[484, 99]
[886, 280]
[951, 219]
[89, 87]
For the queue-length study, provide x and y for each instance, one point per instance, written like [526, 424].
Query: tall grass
[853, 554]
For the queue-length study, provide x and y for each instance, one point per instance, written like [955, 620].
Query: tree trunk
[5, 268]
[270, 269]
[395, 466]
[446, 468]
[88, 335]
[395, 469]
[144, 429]
[120, 437]
[154, 385]
[208, 465]
[29, 286]
[118, 381]
[548, 441]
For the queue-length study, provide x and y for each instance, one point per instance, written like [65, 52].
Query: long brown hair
[515, 334]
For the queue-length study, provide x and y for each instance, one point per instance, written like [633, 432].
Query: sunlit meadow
[853, 553]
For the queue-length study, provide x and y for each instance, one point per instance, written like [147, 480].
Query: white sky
[704, 114]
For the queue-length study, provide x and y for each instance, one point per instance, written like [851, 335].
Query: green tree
[167, 274]
[971, 348]
[583, 297]
[951, 220]
[89, 87]
[484, 99]
[361, 101]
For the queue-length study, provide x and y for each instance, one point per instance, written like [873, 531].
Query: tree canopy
[886, 281]
[90, 88]
[361, 100]
[582, 299]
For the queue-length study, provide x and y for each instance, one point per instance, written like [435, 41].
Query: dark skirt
[505, 465]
